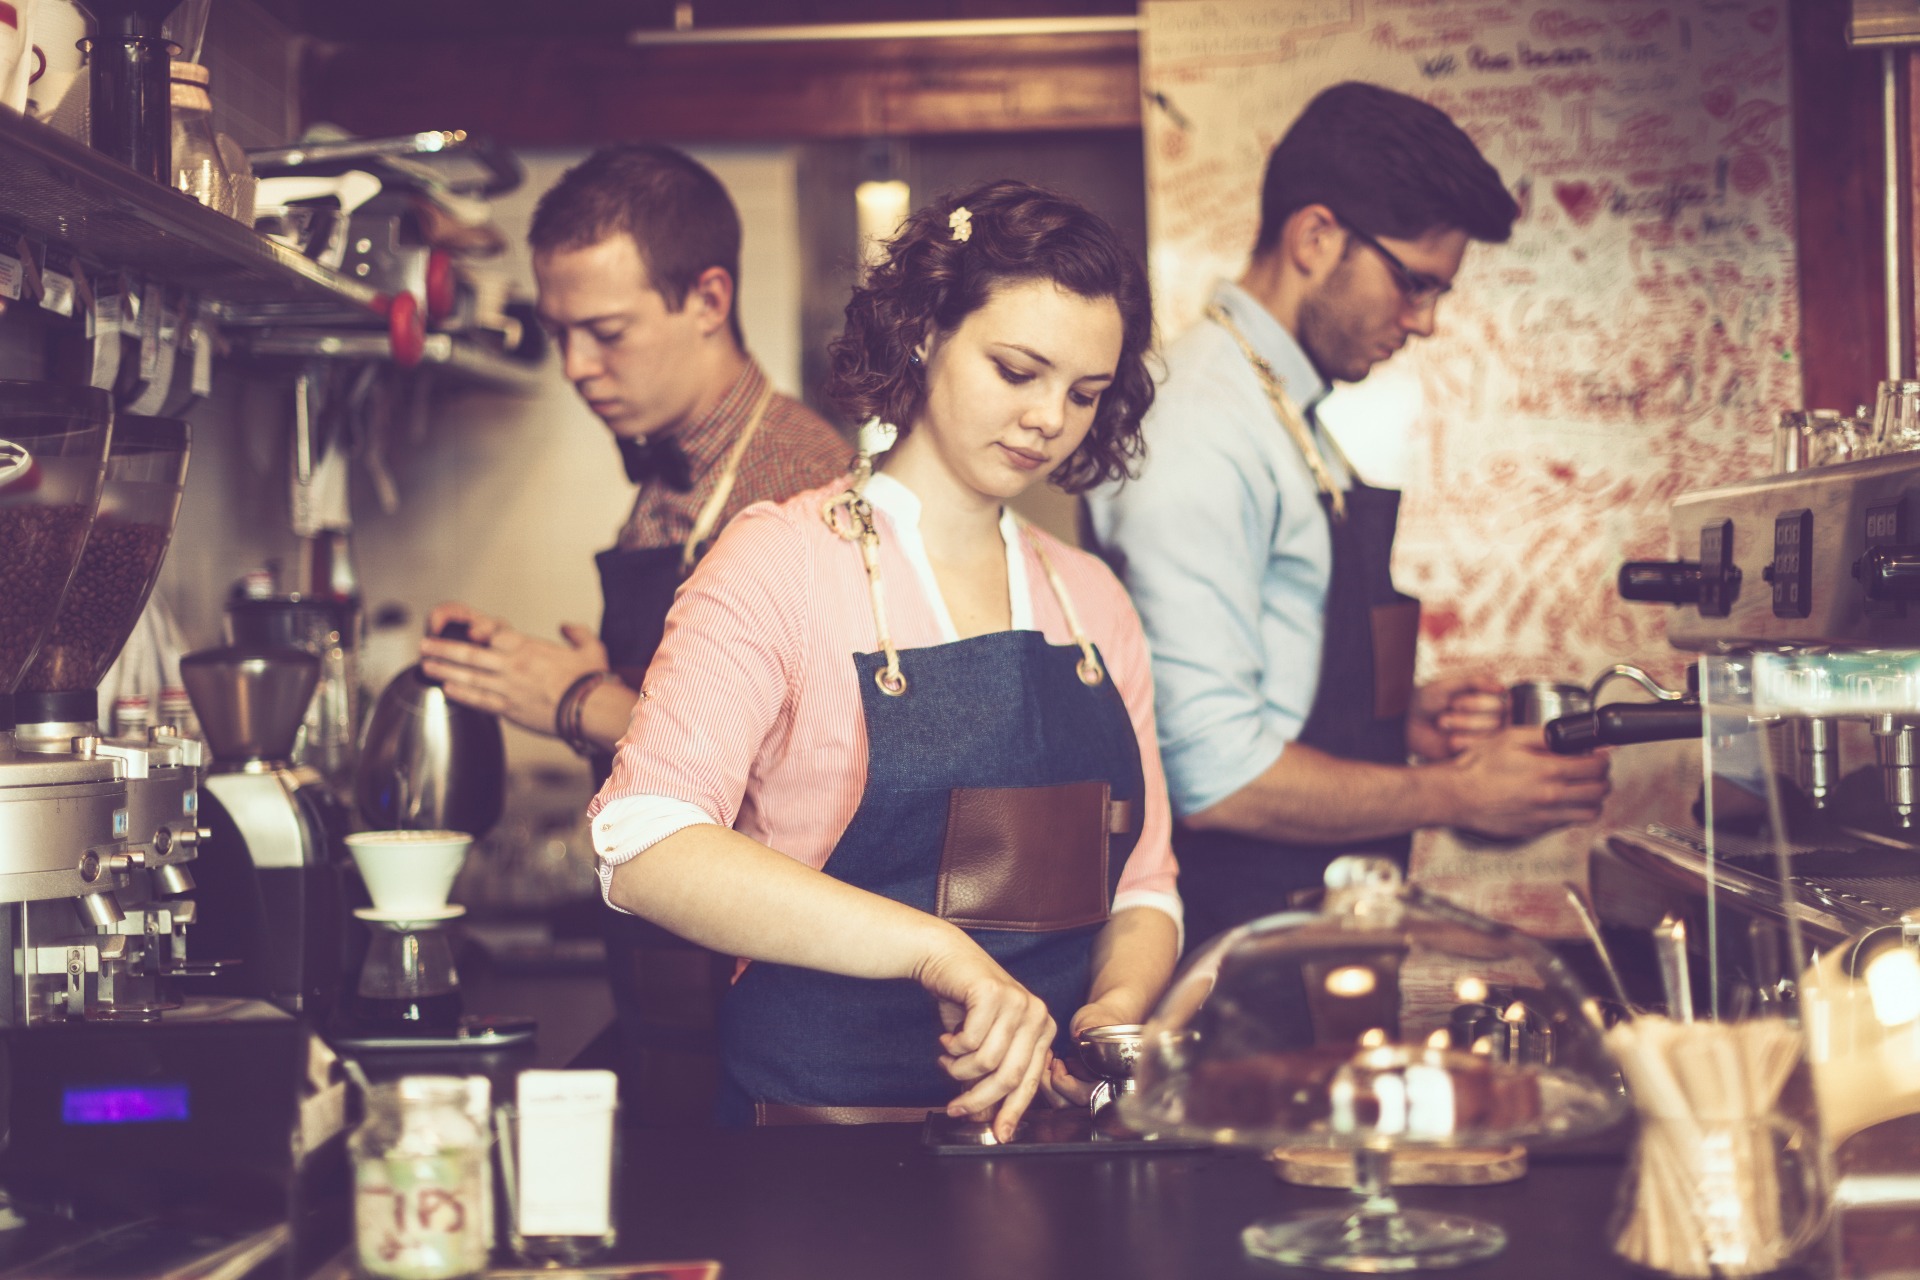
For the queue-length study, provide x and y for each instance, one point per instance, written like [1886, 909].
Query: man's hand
[999, 1035]
[1452, 713]
[506, 671]
[1509, 785]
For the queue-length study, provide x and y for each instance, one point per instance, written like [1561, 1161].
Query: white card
[202, 385]
[12, 275]
[103, 321]
[56, 292]
[566, 1152]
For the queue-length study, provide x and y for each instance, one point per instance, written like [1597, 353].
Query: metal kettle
[429, 763]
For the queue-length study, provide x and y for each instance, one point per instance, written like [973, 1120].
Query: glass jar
[240, 173]
[422, 1181]
[1897, 417]
[198, 168]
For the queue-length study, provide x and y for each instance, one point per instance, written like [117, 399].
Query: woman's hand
[999, 1035]
[1064, 1086]
[506, 671]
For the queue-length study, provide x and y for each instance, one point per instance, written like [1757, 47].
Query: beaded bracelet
[570, 712]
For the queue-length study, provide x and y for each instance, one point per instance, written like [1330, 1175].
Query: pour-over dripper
[145, 472]
[53, 449]
[250, 702]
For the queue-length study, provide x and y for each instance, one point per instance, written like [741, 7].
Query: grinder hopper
[53, 446]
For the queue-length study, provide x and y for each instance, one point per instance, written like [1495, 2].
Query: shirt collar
[705, 440]
[1271, 341]
[901, 506]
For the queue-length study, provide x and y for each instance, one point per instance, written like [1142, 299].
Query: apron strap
[850, 516]
[1288, 414]
[703, 524]
[1089, 669]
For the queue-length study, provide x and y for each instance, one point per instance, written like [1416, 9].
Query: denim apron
[655, 1036]
[959, 735]
[1359, 709]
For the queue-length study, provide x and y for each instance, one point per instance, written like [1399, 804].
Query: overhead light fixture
[932, 29]
[881, 206]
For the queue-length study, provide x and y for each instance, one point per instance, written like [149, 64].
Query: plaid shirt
[794, 449]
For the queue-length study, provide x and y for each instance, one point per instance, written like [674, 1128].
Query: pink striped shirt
[750, 716]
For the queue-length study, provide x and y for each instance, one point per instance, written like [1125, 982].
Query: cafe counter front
[834, 1202]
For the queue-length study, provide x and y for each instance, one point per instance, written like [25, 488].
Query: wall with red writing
[1636, 338]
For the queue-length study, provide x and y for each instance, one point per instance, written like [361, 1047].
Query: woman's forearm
[1133, 959]
[723, 890]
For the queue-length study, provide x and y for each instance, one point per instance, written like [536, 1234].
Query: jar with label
[132, 713]
[422, 1181]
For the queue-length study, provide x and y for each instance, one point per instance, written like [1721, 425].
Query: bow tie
[662, 459]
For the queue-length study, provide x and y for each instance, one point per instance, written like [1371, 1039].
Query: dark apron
[993, 787]
[1359, 712]
[665, 989]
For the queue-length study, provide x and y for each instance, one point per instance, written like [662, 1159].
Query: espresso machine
[1800, 592]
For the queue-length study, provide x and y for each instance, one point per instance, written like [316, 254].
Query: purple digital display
[124, 1104]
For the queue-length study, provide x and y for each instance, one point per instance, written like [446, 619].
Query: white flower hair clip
[961, 221]
[876, 437]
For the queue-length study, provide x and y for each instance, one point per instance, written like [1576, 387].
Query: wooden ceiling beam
[584, 92]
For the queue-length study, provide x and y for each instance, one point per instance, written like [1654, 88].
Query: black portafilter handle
[1889, 573]
[1660, 581]
[1620, 723]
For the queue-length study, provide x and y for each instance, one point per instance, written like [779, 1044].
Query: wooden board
[1313, 1168]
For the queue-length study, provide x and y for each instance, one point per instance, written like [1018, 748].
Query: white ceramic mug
[409, 870]
[58, 28]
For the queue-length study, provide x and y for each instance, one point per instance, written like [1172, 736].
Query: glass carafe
[407, 982]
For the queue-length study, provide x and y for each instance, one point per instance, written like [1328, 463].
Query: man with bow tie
[636, 253]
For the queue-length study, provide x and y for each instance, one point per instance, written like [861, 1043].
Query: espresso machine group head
[1811, 578]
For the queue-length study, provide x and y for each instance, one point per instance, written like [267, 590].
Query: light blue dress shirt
[1223, 543]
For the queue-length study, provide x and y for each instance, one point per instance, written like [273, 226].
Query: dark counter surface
[853, 1203]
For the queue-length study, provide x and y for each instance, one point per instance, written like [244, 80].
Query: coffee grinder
[93, 832]
[272, 896]
[142, 922]
[119, 1095]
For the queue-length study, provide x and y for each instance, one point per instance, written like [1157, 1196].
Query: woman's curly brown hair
[930, 282]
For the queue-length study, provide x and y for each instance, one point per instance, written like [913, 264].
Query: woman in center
[897, 748]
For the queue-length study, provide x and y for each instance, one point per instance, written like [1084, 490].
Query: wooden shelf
[57, 192]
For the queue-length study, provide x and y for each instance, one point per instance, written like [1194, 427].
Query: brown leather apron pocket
[1026, 859]
[1396, 636]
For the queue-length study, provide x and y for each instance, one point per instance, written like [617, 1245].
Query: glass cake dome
[1386, 1021]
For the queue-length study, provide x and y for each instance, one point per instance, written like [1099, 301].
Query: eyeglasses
[1417, 287]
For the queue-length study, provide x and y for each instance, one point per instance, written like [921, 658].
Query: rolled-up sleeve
[725, 672]
[1193, 537]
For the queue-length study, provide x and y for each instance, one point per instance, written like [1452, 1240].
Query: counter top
[853, 1203]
